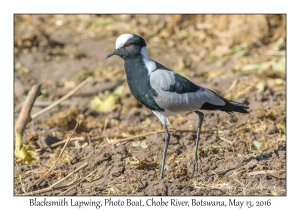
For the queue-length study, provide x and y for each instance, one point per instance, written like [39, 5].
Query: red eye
[127, 45]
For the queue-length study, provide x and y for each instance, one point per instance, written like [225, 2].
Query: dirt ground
[117, 149]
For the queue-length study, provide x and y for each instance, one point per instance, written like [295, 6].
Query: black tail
[230, 106]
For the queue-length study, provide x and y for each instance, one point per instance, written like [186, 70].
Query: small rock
[272, 129]
[259, 96]
[43, 183]
[19, 88]
[117, 170]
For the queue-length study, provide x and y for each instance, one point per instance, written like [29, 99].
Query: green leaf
[131, 161]
[279, 81]
[30, 148]
[239, 50]
[251, 67]
[257, 144]
[281, 128]
[103, 105]
[84, 75]
[183, 34]
[279, 66]
[20, 150]
[101, 21]
[136, 143]
[167, 167]
[18, 65]
[119, 90]
[261, 86]
[147, 122]
[144, 145]
[279, 44]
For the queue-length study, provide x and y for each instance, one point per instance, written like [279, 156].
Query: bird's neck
[135, 67]
[148, 62]
[144, 53]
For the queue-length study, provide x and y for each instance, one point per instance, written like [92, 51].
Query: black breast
[139, 83]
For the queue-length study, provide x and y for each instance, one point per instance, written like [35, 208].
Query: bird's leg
[201, 116]
[167, 138]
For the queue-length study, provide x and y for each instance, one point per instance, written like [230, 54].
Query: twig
[89, 138]
[244, 91]
[94, 90]
[56, 183]
[278, 53]
[82, 179]
[265, 172]
[24, 116]
[223, 139]
[47, 103]
[45, 174]
[63, 103]
[139, 136]
[59, 181]
[22, 185]
[62, 98]
[105, 124]
[232, 86]
[68, 190]
[23, 119]
[281, 178]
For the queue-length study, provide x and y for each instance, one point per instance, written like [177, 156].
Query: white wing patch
[149, 63]
[121, 40]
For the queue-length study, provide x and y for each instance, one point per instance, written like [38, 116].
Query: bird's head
[128, 46]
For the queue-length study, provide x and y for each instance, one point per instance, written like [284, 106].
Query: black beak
[115, 52]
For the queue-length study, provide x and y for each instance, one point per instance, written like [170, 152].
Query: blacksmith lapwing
[164, 91]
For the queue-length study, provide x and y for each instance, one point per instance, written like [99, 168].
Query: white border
[236, 6]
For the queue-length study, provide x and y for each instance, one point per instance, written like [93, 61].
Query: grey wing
[175, 93]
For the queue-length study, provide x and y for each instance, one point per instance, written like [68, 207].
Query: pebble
[272, 129]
